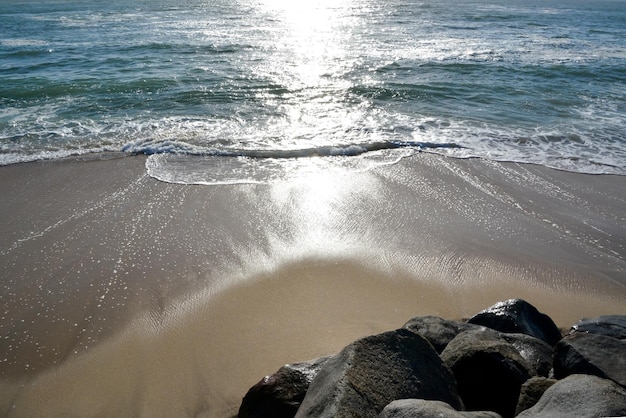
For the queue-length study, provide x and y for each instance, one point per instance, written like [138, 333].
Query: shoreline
[129, 295]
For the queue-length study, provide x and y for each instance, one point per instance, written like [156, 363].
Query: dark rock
[537, 353]
[580, 396]
[372, 372]
[280, 394]
[518, 316]
[438, 331]
[609, 325]
[488, 370]
[593, 354]
[412, 408]
[532, 390]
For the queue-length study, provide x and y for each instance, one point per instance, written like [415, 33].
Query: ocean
[227, 91]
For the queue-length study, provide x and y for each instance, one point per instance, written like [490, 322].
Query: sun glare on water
[309, 55]
[311, 46]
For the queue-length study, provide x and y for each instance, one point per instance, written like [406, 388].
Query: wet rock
[593, 354]
[372, 372]
[580, 396]
[412, 408]
[537, 353]
[280, 394]
[498, 362]
[438, 331]
[532, 390]
[518, 316]
[488, 370]
[608, 325]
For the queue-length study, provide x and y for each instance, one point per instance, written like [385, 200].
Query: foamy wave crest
[348, 150]
[568, 148]
[232, 166]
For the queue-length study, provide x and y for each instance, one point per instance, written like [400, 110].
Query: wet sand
[125, 296]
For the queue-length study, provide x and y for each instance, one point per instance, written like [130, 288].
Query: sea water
[253, 90]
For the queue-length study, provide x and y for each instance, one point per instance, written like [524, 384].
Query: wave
[348, 150]
[181, 163]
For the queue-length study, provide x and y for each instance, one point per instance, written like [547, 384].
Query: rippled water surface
[211, 86]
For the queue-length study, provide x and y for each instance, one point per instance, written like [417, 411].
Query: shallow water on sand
[128, 296]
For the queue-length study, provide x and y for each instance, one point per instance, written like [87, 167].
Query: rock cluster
[508, 360]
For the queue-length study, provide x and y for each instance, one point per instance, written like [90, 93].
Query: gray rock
[580, 396]
[592, 354]
[608, 325]
[488, 370]
[280, 394]
[532, 390]
[518, 316]
[537, 353]
[372, 372]
[417, 408]
[438, 331]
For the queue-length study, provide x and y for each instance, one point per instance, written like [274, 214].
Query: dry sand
[125, 296]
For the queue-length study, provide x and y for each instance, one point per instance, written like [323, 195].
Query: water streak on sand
[128, 290]
[149, 298]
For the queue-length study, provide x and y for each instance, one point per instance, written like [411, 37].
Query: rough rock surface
[518, 316]
[580, 396]
[609, 325]
[497, 366]
[532, 390]
[488, 370]
[592, 354]
[412, 408]
[372, 372]
[280, 394]
[438, 331]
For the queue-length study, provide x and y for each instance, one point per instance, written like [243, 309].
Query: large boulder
[593, 354]
[372, 372]
[280, 394]
[488, 370]
[412, 408]
[518, 316]
[609, 325]
[580, 396]
[532, 390]
[438, 331]
[537, 353]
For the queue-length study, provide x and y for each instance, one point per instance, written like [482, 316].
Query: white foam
[23, 42]
[212, 170]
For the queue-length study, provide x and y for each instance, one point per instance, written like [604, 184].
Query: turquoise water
[236, 90]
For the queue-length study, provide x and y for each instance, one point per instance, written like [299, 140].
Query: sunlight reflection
[307, 17]
[312, 43]
[321, 190]
[321, 206]
[317, 200]
[310, 57]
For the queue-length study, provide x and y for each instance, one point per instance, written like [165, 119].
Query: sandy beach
[125, 296]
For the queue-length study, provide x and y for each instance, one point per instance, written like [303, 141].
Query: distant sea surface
[237, 91]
